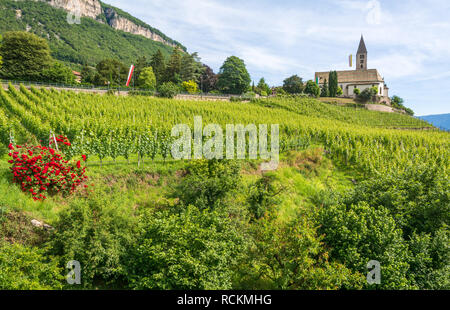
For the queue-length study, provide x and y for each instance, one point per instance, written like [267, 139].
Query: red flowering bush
[42, 171]
[63, 142]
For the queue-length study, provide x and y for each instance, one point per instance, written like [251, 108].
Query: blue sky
[408, 41]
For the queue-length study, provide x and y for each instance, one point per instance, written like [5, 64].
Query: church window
[361, 56]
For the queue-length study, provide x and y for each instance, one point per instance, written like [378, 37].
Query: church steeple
[361, 56]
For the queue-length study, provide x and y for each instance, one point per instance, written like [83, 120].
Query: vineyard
[352, 186]
[118, 128]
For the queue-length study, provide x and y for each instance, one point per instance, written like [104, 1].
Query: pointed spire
[362, 46]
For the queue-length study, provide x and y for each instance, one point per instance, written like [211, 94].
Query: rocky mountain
[101, 31]
[115, 17]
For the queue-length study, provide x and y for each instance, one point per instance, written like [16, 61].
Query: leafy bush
[42, 171]
[168, 90]
[208, 183]
[189, 250]
[291, 256]
[359, 234]
[98, 234]
[263, 195]
[367, 94]
[26, 268]
[190, 86]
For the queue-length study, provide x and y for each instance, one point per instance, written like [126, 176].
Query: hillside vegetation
[349, 189]
[86, 43]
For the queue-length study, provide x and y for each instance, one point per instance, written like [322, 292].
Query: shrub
[189, 250]
[97, 233]
[190, 86]
[168, 90]
[42, 171]
[357, 91]
[367, 94]
[208, 182]
[27, 268]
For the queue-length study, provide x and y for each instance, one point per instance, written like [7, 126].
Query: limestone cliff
[121, 23]
[94, 9]
[87, 8]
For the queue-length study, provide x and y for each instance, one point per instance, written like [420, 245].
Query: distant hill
[441, 120]
[104, 32]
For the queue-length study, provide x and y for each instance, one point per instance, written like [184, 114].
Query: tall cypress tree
[325, 91]
[173, 69]
[333, 80]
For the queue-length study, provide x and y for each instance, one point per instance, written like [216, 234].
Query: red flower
[84, 157]
[10, 146]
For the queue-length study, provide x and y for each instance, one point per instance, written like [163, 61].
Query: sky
[408, 41]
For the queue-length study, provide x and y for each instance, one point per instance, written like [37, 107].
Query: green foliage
[190, 86]
[159, 66]
[291, 256]
[191, 68]
[339, 92]
[293, 85]
[263, 87]
[397, 103]
[98, 235]
[359, 234]
[367, 94]
[325, 92]
[233, 77]
[208, 183]
[88, 75]
[147, 79]
[25, 56]
[312, 89]
[173, 68]
[190, 250]
[59, 73]
[27, 268]
[111, 72]
[85, 43]
[168, 90]
[263, 195]
[333, 83]
[356, 91]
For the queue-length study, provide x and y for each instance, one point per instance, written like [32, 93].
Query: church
[360, 78]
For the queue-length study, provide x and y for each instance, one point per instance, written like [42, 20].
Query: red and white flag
[130, 74]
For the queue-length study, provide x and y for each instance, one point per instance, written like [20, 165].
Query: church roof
[353, 76]
[362, 46]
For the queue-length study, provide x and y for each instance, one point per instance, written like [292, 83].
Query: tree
[325, 92]
[190, 86]
[312, 88]
[168, 90]
[1, 61]
[233, 77]
[333, 83]
[25, 56]
[111, 72]
[88, 75]
[191, 67]
[208, 79]
[367, 94]
[59, 73]
[147, 79]
[263, 87]
[159, 66]
[141, 63]
[293, 85]
[173, 69]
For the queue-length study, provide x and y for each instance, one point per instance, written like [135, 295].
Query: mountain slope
[441, 120]
[90, 41]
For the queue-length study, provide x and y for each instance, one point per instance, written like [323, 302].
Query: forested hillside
[79, 44]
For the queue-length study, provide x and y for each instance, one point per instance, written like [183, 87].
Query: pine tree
[158, 64]
[173, 69]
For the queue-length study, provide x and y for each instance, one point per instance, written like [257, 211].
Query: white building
[361, 78]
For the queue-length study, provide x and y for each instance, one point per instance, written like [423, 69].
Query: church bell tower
[361, 56]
